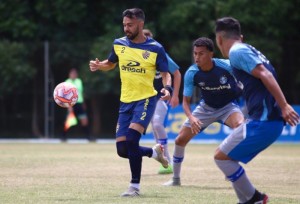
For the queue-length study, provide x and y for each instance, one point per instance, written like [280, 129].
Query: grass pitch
[93, 173]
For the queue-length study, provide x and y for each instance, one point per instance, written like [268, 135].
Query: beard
[132, 35]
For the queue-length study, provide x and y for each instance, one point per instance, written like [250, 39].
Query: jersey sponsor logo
[221, 87]
[202, 83]
[223, 79]
[146, 54]
[132, 66]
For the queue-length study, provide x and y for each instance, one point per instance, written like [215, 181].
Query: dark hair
[134, 13]
[204, 42]
[73, 70]
[230, 26]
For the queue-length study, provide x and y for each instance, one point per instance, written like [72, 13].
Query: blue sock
[163, 141]
[146, 151]
[134, 154]
[122, 149]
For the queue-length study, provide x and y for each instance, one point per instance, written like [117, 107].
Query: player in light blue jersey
[160, 116]
[219, 90]
[267, 110]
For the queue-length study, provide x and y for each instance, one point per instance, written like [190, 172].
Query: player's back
[261, 104]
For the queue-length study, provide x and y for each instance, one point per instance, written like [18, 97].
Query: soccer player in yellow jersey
[138, 58]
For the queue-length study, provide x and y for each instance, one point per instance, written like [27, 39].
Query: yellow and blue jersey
[138, 64]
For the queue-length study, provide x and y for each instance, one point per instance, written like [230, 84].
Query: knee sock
[134, 154]
[177, 160]
[122, 149]
[235, 173]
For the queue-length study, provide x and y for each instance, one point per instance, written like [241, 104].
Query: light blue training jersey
[260, 103]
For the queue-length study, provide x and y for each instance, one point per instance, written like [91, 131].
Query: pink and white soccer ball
[65, 95]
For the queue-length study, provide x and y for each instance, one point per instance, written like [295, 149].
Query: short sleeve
[172, 65]
[188, 86]
[243, 58]
[112, 57]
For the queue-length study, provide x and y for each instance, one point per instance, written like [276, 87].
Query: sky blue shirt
[260, 103]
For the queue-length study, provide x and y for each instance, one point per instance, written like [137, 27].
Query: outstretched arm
[104, 65]
[288, 113]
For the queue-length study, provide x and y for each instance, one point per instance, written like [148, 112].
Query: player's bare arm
[167, 81]
[195, 122]
[104, 65]
[176, 85]
[288, 113]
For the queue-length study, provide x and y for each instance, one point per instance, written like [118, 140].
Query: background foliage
[83, 30]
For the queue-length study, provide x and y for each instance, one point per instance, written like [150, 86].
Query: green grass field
[93, 173]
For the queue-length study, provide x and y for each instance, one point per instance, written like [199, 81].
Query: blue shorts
[250, 138]
[140, 112]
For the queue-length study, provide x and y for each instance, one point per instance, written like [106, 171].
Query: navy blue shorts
[140, 112]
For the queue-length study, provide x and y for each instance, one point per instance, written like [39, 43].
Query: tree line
[83, 30]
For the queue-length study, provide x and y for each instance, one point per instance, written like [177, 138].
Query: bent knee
[237, 124]
[180, 141]
[122, 149]
[219, 155]
[122, 154]
[157, 125]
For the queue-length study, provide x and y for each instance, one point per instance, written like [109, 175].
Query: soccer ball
[65, 95]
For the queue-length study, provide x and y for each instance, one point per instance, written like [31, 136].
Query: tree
[99, 84]
[270, 26]
[78, 32]
[14, 73]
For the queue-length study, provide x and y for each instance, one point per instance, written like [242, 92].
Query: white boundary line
[85, 141]
[110, 141]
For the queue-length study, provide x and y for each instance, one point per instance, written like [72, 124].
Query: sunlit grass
[93, 173]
